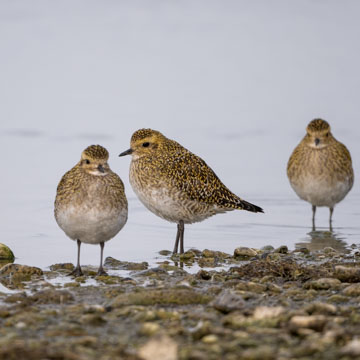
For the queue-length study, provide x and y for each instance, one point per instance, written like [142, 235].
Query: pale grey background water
[236, 82]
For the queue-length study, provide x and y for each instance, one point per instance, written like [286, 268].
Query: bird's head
[318, 134]
[94, 160]
[145, 142]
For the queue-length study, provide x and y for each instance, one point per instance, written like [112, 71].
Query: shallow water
[236, 85]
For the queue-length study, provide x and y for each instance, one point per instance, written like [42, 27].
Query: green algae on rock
[6, 253]
[289, 306]
[170, 296]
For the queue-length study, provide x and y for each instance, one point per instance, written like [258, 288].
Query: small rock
[210, 339]
[203, 274]
[329, 250]
[282, 250]
[64, 266]
[251, 286]
[149, 328]
[202, 329]
[314, 322]
[163, 347]
[262, 352]
[337, 299]
[323, 284]
[165, 252]
[92, 319]
[20, 325]
[228, 301]
[6, 253]
[267, 312]
[20, 272]
[208, 262]
[112, 263]
[161, 297]
[52, 296]
[352, 348]
[187, 255]
[208, 253]
[352, 290]
[347, 274]
[320, 308]
[244, 253]
[303, 250]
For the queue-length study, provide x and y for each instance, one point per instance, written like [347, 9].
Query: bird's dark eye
[146, 144]
[87, 161]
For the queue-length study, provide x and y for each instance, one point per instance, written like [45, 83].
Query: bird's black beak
[127, 152]
[317, 141]
[101, 169]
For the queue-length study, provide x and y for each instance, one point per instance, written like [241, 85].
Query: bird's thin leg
[77, 271]
[182, 229]
[176, 246]
[101, 270]
[313, 217]
[330, 219]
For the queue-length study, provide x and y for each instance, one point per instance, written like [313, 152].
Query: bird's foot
[76, 272]
[102, 272]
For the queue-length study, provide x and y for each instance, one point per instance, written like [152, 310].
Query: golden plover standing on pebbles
[320, 169]
[175, 184]
[90, 204]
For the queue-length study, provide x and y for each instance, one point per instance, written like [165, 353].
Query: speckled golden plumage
[176, 184]
[320, 168]
[90, 204]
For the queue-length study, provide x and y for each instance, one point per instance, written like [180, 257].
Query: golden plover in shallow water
[175, 184]
[320, 169]
[90, 204]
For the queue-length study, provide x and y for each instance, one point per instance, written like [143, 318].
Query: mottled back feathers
[167, 161]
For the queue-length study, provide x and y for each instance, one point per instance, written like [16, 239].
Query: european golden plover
[177, 185]
[90, 204]
[320, 169]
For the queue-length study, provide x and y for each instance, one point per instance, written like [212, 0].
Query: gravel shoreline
[253, 304]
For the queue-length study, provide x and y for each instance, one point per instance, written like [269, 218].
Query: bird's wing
[190, 174]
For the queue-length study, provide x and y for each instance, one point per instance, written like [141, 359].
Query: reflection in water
[318, 240]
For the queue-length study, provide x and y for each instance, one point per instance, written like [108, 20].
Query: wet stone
[20, 271]
[267, 312]
[352, 290]
[112, 263]
[203, 274]
[314, 322]
[250, 286]
[279, 307]
[208, 262]
[352, 348]
[244, 253]
[149, 328]
[164, 297]
[228, 301]
[6, 253]
[187, 255]
[52, 296]
[165, 252]
[347, 273]
[162, 347]
[320, 308]
[64, 266]
[323, 284]
[282, 250]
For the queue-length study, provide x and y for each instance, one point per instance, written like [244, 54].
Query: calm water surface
[235, 84]
[31, 231]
